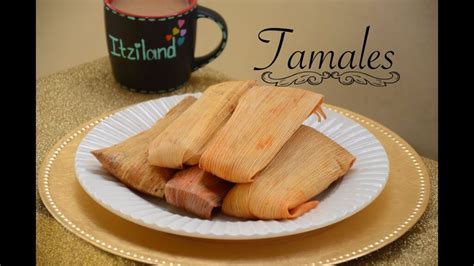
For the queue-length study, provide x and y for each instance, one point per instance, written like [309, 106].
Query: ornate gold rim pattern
[387, 237]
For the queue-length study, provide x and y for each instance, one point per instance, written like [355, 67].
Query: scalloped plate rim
[224, 236]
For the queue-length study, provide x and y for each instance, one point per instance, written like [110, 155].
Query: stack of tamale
[240, 145]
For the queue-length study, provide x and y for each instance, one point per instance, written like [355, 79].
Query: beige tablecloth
[69, 98]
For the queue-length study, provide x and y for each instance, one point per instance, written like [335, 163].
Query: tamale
[306, 165]
[128, 160]
[236, 201]
[183, 142]
[196, 191]
[263, 121]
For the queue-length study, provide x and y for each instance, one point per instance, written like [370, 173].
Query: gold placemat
[69, 98]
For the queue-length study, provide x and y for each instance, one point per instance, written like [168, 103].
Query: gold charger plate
[393, 213]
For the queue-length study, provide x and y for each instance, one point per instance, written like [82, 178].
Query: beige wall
[71, 32]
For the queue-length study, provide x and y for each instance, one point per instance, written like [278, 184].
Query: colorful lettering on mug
[133, 53]
[139, 51]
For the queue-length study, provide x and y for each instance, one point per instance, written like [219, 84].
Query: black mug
[156, 54]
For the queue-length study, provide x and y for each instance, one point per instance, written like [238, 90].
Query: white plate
[359, 187]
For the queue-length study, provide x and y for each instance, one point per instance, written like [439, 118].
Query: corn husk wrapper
[185, 139]
[265, 118]
[196, 191]
[307, 164]
[128, 160]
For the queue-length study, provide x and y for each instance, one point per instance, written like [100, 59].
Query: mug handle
[204, 12]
